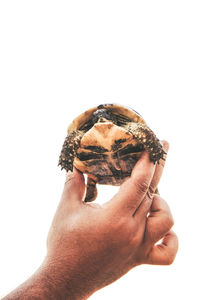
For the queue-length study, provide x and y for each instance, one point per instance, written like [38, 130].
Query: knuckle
[150, 192]
[121, 226]
[121, 229]
[169, 258]
[142, 186]
[168, 220]
[135, 240]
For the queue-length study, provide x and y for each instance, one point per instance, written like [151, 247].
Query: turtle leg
[144, 135]
[69, 150]
[91, 192]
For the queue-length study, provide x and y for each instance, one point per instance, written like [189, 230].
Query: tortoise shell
[105, 142]
[117, 109]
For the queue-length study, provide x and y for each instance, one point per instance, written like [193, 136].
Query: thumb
[74, 188]
[72, 196]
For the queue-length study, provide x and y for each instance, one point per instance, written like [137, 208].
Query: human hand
[89, 246]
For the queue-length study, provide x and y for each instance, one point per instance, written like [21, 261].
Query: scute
[108, 157]
[115, 108]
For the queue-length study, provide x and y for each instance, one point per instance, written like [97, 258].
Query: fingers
[144, 207]
[159, 170]
[164, 253]
[134, 189]
[159, 221]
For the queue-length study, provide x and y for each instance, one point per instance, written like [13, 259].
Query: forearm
[89, 247]
[46, 284]
[38, 286]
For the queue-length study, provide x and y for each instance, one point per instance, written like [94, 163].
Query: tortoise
[105, 142]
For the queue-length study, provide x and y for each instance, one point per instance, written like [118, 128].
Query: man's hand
[89, 246]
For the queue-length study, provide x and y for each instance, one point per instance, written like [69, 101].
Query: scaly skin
[144, 135]
[69, 150]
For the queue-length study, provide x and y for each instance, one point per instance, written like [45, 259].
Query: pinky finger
[165, 252]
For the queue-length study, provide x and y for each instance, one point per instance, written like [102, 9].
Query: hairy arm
[89, 246]
[38, 286]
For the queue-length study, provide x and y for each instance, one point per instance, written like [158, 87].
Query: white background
[59, 58]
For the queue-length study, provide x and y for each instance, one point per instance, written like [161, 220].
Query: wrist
[62, 280]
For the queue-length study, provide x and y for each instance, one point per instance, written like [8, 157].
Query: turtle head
[103, 115]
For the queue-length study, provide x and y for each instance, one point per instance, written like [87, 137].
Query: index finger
[143, 209]
[134, 189]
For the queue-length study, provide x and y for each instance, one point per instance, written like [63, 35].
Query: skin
[89, 246]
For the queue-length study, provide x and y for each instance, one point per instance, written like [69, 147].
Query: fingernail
[165, 145]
